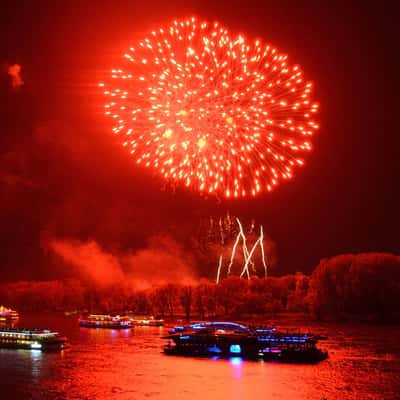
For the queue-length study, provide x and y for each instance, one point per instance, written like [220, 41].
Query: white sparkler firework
[246, 254]
[219, 268]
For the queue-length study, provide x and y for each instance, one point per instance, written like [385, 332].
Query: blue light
[214, 349]
[236, 361]
[218, 324]
[266, 350]
[263, 339]
[185, 337]
[235, 349]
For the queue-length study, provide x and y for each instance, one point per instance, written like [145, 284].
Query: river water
[363, 363]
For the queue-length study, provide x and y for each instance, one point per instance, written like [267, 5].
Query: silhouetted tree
[364, 285]
[186, 300]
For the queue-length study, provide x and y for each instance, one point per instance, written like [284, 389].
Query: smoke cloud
[162, 261]
[92, 261]
[14, 71]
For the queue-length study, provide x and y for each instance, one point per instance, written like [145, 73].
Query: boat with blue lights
[227, 339]
[105, 321]
[31, 339]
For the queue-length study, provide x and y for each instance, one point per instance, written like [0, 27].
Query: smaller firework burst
[249, 266]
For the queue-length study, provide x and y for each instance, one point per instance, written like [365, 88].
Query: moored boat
[31, 339]
[105, 321]
[8, 314]
[226, 339]
[146, 320]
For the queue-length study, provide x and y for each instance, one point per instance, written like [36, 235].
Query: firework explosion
[213, 111]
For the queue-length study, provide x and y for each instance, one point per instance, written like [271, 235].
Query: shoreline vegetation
[362, 288]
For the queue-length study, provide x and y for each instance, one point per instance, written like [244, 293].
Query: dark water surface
[364, 363]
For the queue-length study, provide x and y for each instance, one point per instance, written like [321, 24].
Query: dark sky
[63, 175]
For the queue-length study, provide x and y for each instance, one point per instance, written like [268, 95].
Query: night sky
[62, 174]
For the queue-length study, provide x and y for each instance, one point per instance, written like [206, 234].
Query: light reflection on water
[128, 364]
[36, 358]
[236, 363]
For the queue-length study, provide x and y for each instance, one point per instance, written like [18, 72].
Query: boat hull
[250, 353]
[28, 346]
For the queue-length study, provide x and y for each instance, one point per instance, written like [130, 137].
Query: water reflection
[128, 364]
[36, 358]
[236, 363]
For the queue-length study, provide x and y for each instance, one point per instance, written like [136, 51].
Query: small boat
[69, 313]
[31, 339]
[227, 339]
[146, 320]
[105, 321]
[8, 315]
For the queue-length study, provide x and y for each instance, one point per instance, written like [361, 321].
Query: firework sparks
[210, 110]
[248, 256]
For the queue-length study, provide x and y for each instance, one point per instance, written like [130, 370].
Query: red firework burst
[215, 112]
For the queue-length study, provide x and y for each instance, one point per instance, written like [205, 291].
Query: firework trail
[259, 242]
[239, 236]
[219, 268]
[263, 251]
[210, 110]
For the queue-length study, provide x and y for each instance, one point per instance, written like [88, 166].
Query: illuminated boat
[105, 321]
[8, 315]
[227, 339]
[146, 320]
[31, 339]
[229, 326]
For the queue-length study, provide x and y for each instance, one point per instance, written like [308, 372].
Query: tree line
[345, 287]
